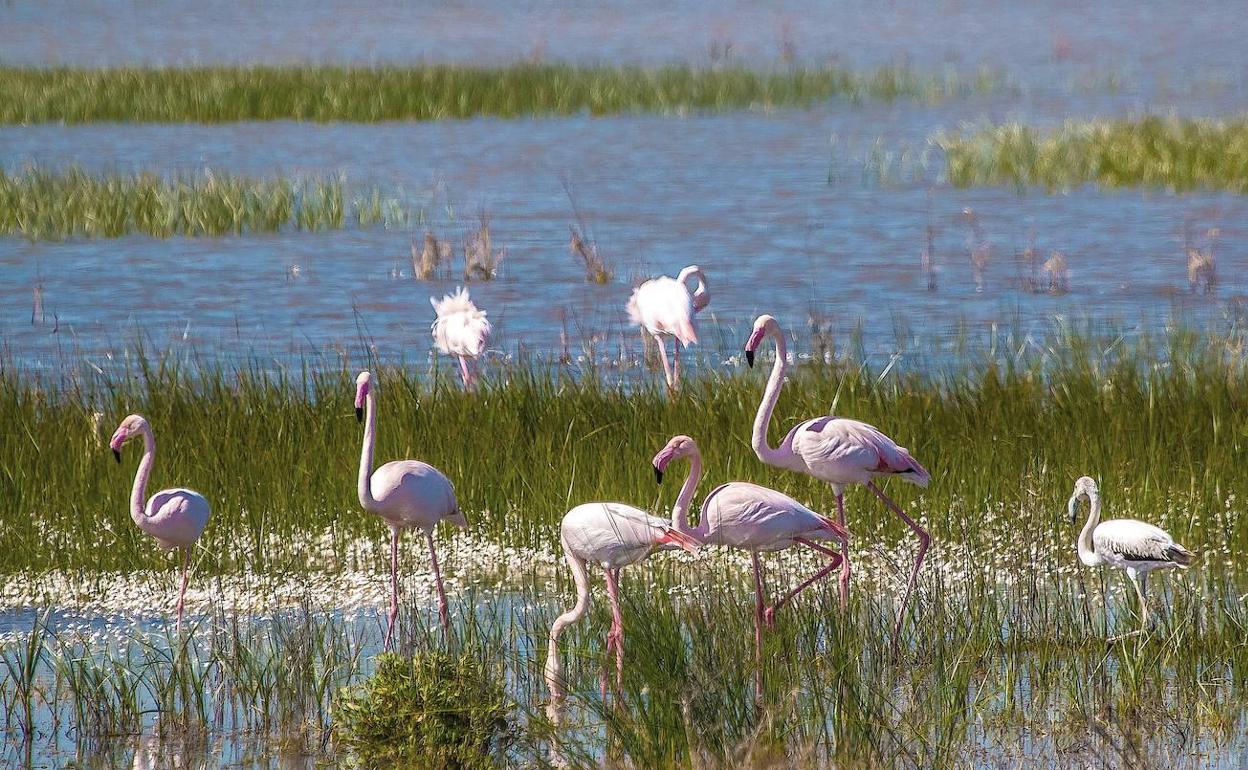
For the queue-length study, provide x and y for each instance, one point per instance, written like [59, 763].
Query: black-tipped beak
[359, 414]
[658, 475]
[117, 454]
[749, 358]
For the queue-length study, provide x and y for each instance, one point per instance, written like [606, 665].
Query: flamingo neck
[680, 511]
[758, 440]
[366, 454]
[1087, 553]
[554, 668]
[139, 492]
[701, 296]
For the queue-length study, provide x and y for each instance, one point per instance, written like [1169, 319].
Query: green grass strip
[1173, 153]
[225, 94]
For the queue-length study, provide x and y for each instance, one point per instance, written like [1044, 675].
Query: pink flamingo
[755, 519]
[404, 493]
[614, 535]
[664, 307]
[175, 517]
[837, 450]
[460, 330]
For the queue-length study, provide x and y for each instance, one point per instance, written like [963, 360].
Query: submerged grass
[41, 204]
[1180, 154]
[438, 92]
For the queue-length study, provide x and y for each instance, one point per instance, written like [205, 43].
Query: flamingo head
[679, 446]
[363, 384]
[1085, 489]
[763, 325]
[130, 427]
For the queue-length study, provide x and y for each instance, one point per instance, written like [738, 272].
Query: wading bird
[754, 519]
[614, 535]
[1130, 545]
[663, 307]
[405, 494]
[175, 517]
[460, 330]
[837, 450]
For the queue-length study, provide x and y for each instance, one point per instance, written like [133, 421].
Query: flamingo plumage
[836, 450]
[174, 517]
[1135, 547]
[663, 307]
[406, 494]
[615, 536]
[461, 330]
[753, 518]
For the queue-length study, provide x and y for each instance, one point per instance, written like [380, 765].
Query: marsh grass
[42, 204]
[438, 92]
[1179, 154]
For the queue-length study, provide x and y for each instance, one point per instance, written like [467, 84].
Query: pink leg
[676, 365]
[840, 519]
[615, 638]
[759, 601]
[924, 540]
[463, 370]
[476, 374]
[186, 565]
[770, 614]
[443, 612]
[667, 369]
[394, 586]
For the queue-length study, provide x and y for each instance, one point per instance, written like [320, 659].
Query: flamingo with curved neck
[755, 519]
[174, 517]
[664, 307]
[614, 535]
[837, 450]
[405, 494]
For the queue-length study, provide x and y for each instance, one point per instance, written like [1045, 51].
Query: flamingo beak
[359, 414]
[1072, 508]
[674, 537]
[658, 475]
[117, 454]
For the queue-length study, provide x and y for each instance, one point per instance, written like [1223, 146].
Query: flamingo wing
[616, 534]
[460, 328]
[745, 515]
[414, 493]
[176, 517]
[1137, 541]
[849, 451]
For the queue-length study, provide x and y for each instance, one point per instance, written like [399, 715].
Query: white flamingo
[460, 330]
[663, 307]
[614, 535]
[405, 494]
[1127, 544]
[755, 519]
[174, 517]
[837, 450]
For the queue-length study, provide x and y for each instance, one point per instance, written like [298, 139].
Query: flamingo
[175, 517]
[837, 450]
[664, 307]
[755, 519]
[614, 535]
[460, 330]
[405, 494]
[1130, 545]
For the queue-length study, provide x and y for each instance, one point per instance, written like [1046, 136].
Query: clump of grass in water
[50, 205]
[435, 709]
[1179, 154]
[437, 92]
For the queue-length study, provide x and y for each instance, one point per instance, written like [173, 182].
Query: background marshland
[919, 277]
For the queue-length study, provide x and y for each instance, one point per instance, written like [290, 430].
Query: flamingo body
[406, 494]
[663, 307]
[754, 518]
[842, 451]
[1133, 546]
[461, 330]
[175, 518]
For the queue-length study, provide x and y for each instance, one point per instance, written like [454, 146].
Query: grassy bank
[1162, 423]
[438, 92]
[51, 205]
[1171, 153]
